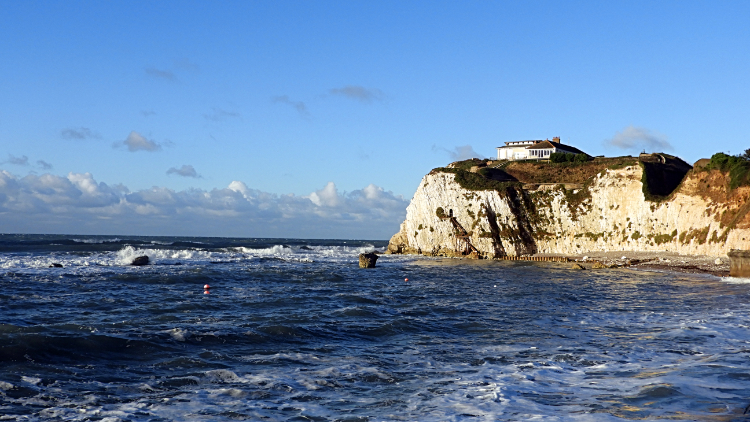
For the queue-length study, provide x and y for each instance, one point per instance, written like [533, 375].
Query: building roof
[543, 145]
[550, 145]
[514, 144]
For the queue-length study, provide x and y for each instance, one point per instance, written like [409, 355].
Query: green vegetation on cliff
[563, 157]
[567, 172]
[500, 176]
[738, 167]
[476, 181]
[662, 173]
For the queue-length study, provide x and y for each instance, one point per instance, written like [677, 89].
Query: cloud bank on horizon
[78, 204]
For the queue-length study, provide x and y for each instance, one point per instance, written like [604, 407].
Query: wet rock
[577, 266]
[367, 260]
[55, 265]
[141, 260]
[598, 265]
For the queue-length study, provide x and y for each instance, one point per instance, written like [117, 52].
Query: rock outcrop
[611, 212]
[367, 260]
[141, 260]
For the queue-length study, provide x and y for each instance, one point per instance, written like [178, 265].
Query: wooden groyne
[536, 258]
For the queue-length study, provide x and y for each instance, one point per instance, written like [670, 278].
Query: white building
[534, 150]
[515, 150]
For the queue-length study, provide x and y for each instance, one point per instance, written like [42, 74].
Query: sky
[318, 119]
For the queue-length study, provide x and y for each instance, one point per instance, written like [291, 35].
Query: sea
[294, 330]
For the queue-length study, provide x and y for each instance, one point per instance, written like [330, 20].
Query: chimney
[556, 139]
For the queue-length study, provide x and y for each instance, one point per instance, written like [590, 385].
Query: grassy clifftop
[570, 172]
[661, 176]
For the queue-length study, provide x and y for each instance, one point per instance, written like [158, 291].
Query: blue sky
[352, 101]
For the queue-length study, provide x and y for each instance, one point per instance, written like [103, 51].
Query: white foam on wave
[549, 386]
[31, 380]
[45, 261]
[276, 250]
[98, 241]
[126, 255]
[186, 255]
[735, 280]
[179, 334]
[306, 253]
[221, 376]
[342, 251]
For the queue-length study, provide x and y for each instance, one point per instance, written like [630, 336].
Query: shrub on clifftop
[564, 157]
[738, 167]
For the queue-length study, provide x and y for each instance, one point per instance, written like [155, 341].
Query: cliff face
[610, 213]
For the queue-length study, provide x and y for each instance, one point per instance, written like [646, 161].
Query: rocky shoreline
[642, 260]
[655, 261]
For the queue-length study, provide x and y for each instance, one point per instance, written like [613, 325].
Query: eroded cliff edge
[611, 211]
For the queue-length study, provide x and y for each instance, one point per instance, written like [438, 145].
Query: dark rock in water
[577, 267]
[367, 260]
[55, 265]
[305, 248]
[141, 260]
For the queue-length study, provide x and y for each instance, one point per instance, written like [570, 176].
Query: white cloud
[297, 105]
[638, 138]
[359, 93]
[185, 171]
[326, 197]
[44, 165]
[79, 133]
[161, 74]
[18, 161]
[219, 115]
[78, 204]
[459, 153]
[186, 64]
[137, 142]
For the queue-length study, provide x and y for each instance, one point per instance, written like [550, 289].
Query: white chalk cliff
[702, 217]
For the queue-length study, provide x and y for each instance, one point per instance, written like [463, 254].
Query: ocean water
[293, 330]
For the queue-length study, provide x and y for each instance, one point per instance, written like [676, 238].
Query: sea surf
[293, 329]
